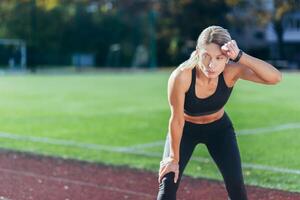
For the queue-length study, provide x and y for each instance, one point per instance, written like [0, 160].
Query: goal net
[13, 54]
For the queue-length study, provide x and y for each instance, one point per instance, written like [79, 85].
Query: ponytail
[192, 61]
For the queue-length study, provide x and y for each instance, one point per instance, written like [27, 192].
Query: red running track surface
[26, 176]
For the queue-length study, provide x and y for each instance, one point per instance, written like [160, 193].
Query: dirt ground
[26, 176]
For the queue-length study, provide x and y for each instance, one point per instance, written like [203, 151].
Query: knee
[167, 187]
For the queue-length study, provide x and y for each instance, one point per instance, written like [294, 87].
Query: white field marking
[75, 182]
[244, 165]
[269, 129]
[61, 142]
[129, 150]
[241, 132]
[147, 145]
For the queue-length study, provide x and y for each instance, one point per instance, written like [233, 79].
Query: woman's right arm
[176, 95]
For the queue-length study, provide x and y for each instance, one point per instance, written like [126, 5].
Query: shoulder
[181, 78]
[231, 73]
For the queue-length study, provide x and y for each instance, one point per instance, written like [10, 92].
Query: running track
[26, 176]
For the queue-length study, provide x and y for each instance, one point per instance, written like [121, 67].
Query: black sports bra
[195, 106]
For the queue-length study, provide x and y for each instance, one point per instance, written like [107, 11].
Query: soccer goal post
[20, 47]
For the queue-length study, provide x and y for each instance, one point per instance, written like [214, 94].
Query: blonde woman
[197, 91]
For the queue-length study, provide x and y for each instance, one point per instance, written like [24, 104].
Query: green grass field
[126, 109]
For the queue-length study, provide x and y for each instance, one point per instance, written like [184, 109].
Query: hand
[167, 165]
[230, 49]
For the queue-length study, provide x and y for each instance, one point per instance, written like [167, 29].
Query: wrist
[238, 57]
[169, 160]
[173, 159]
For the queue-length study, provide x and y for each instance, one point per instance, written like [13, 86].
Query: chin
[211, 74]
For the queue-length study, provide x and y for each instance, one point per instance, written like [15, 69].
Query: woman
[197, 91]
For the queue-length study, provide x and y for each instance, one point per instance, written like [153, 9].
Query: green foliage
[182, 21]
[54, 30]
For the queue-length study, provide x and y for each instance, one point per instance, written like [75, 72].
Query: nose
[211, 65]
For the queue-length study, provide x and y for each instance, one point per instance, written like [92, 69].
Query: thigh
[186, 149]
[167, 187]
[224, 150]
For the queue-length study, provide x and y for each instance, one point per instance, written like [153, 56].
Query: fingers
[224, 48]
[169, 168]
[230, 49]
[176, 176]
[234, 42]
[162, 173]
[161, 170]
[165, 172]
[233, 48]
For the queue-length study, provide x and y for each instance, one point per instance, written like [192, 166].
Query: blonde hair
[211, 34]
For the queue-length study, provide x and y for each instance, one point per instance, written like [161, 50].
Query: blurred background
[37, 34]
[87, 80]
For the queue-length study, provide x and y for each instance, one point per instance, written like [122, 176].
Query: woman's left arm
[257, 70]
[251, 68]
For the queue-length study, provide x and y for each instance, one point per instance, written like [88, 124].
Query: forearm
[175, 131]
[261, 68]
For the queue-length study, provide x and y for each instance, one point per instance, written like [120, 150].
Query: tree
[282, 7]
[183, 20]
[261, 15]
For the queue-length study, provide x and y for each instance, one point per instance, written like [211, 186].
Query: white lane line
[75, 182]
[134, 147]
[129, 150]
[61, 142]
[147, 145]
[244, 165]
[271, 168]
[269, 129]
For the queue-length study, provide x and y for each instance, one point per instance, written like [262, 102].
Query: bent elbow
[279, 77]
[276, 79]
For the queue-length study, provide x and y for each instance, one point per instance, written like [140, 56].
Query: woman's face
[212, 59]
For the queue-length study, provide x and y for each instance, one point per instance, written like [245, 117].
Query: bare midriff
[205, 118]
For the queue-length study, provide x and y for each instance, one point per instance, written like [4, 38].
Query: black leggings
[220, 140]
